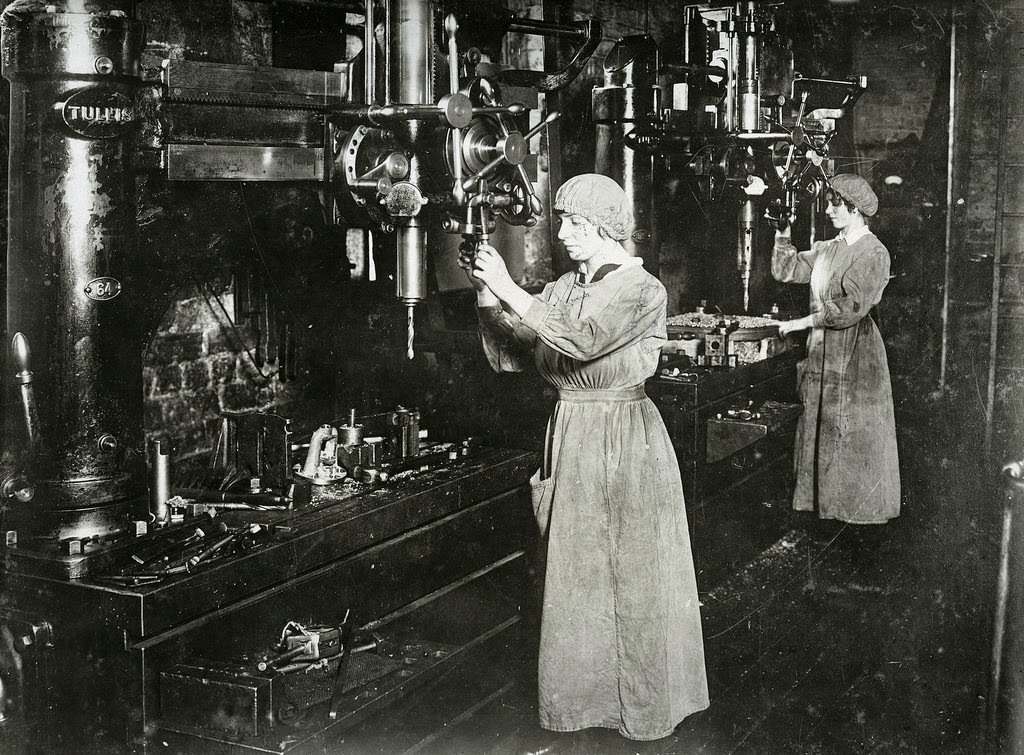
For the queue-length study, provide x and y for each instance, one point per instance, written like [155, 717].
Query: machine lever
[342, 673]
[589, 30]
[513, 108]
[451, 26]
[797, 128]
[22, 354]
[453, 110]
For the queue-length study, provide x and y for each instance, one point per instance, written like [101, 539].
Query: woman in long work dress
[845, 461]
[621, 644]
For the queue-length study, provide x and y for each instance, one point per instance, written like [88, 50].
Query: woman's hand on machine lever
[466, 256]
[784, 229]
[490, 268]
[484, 297]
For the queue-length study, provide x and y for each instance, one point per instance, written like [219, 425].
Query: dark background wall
[202, 242]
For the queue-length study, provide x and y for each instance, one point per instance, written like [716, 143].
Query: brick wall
[198, 365]
[998, 62]
[979, 197]
[983, 34]
[901, 85]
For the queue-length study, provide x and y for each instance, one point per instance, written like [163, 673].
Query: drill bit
[411, 332]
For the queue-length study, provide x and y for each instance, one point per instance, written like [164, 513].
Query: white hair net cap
[857, 191]
[598, 199]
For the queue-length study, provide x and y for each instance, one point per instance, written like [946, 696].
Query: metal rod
[950, 177]
[732, 85]
[159, 482]
[997, 264]
[799, 121]
[388, 93]
[546, 28]
[551, 118]
[481, 174]
[212, 549]
[369, 56]
[999, 629]
[217, 497]
[381, 115]
[513, 108]
[451, 27]
[768, 136]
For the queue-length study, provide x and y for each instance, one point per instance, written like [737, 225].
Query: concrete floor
[835, 639]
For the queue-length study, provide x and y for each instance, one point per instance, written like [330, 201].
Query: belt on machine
[634, 393]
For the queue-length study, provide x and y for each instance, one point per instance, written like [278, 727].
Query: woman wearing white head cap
[621, 644]
[845, 458]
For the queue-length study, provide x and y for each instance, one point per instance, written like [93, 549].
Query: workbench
[736, 474]
[434, 566]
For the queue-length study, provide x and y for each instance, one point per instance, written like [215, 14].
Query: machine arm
[589, 31]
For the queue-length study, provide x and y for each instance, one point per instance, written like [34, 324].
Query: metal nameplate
[98, 113]
[103, 289]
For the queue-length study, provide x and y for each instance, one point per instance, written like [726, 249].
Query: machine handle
[451, 26]
[509, 152]
[455, 110]
[21, 354]
[534, 203]
[1014, 471]
[589, 31]
[797, 131]
[513, 108]
[18, 488]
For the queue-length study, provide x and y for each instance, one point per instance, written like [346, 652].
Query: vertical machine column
[410, 71]
[74, 74]
[629, 101]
